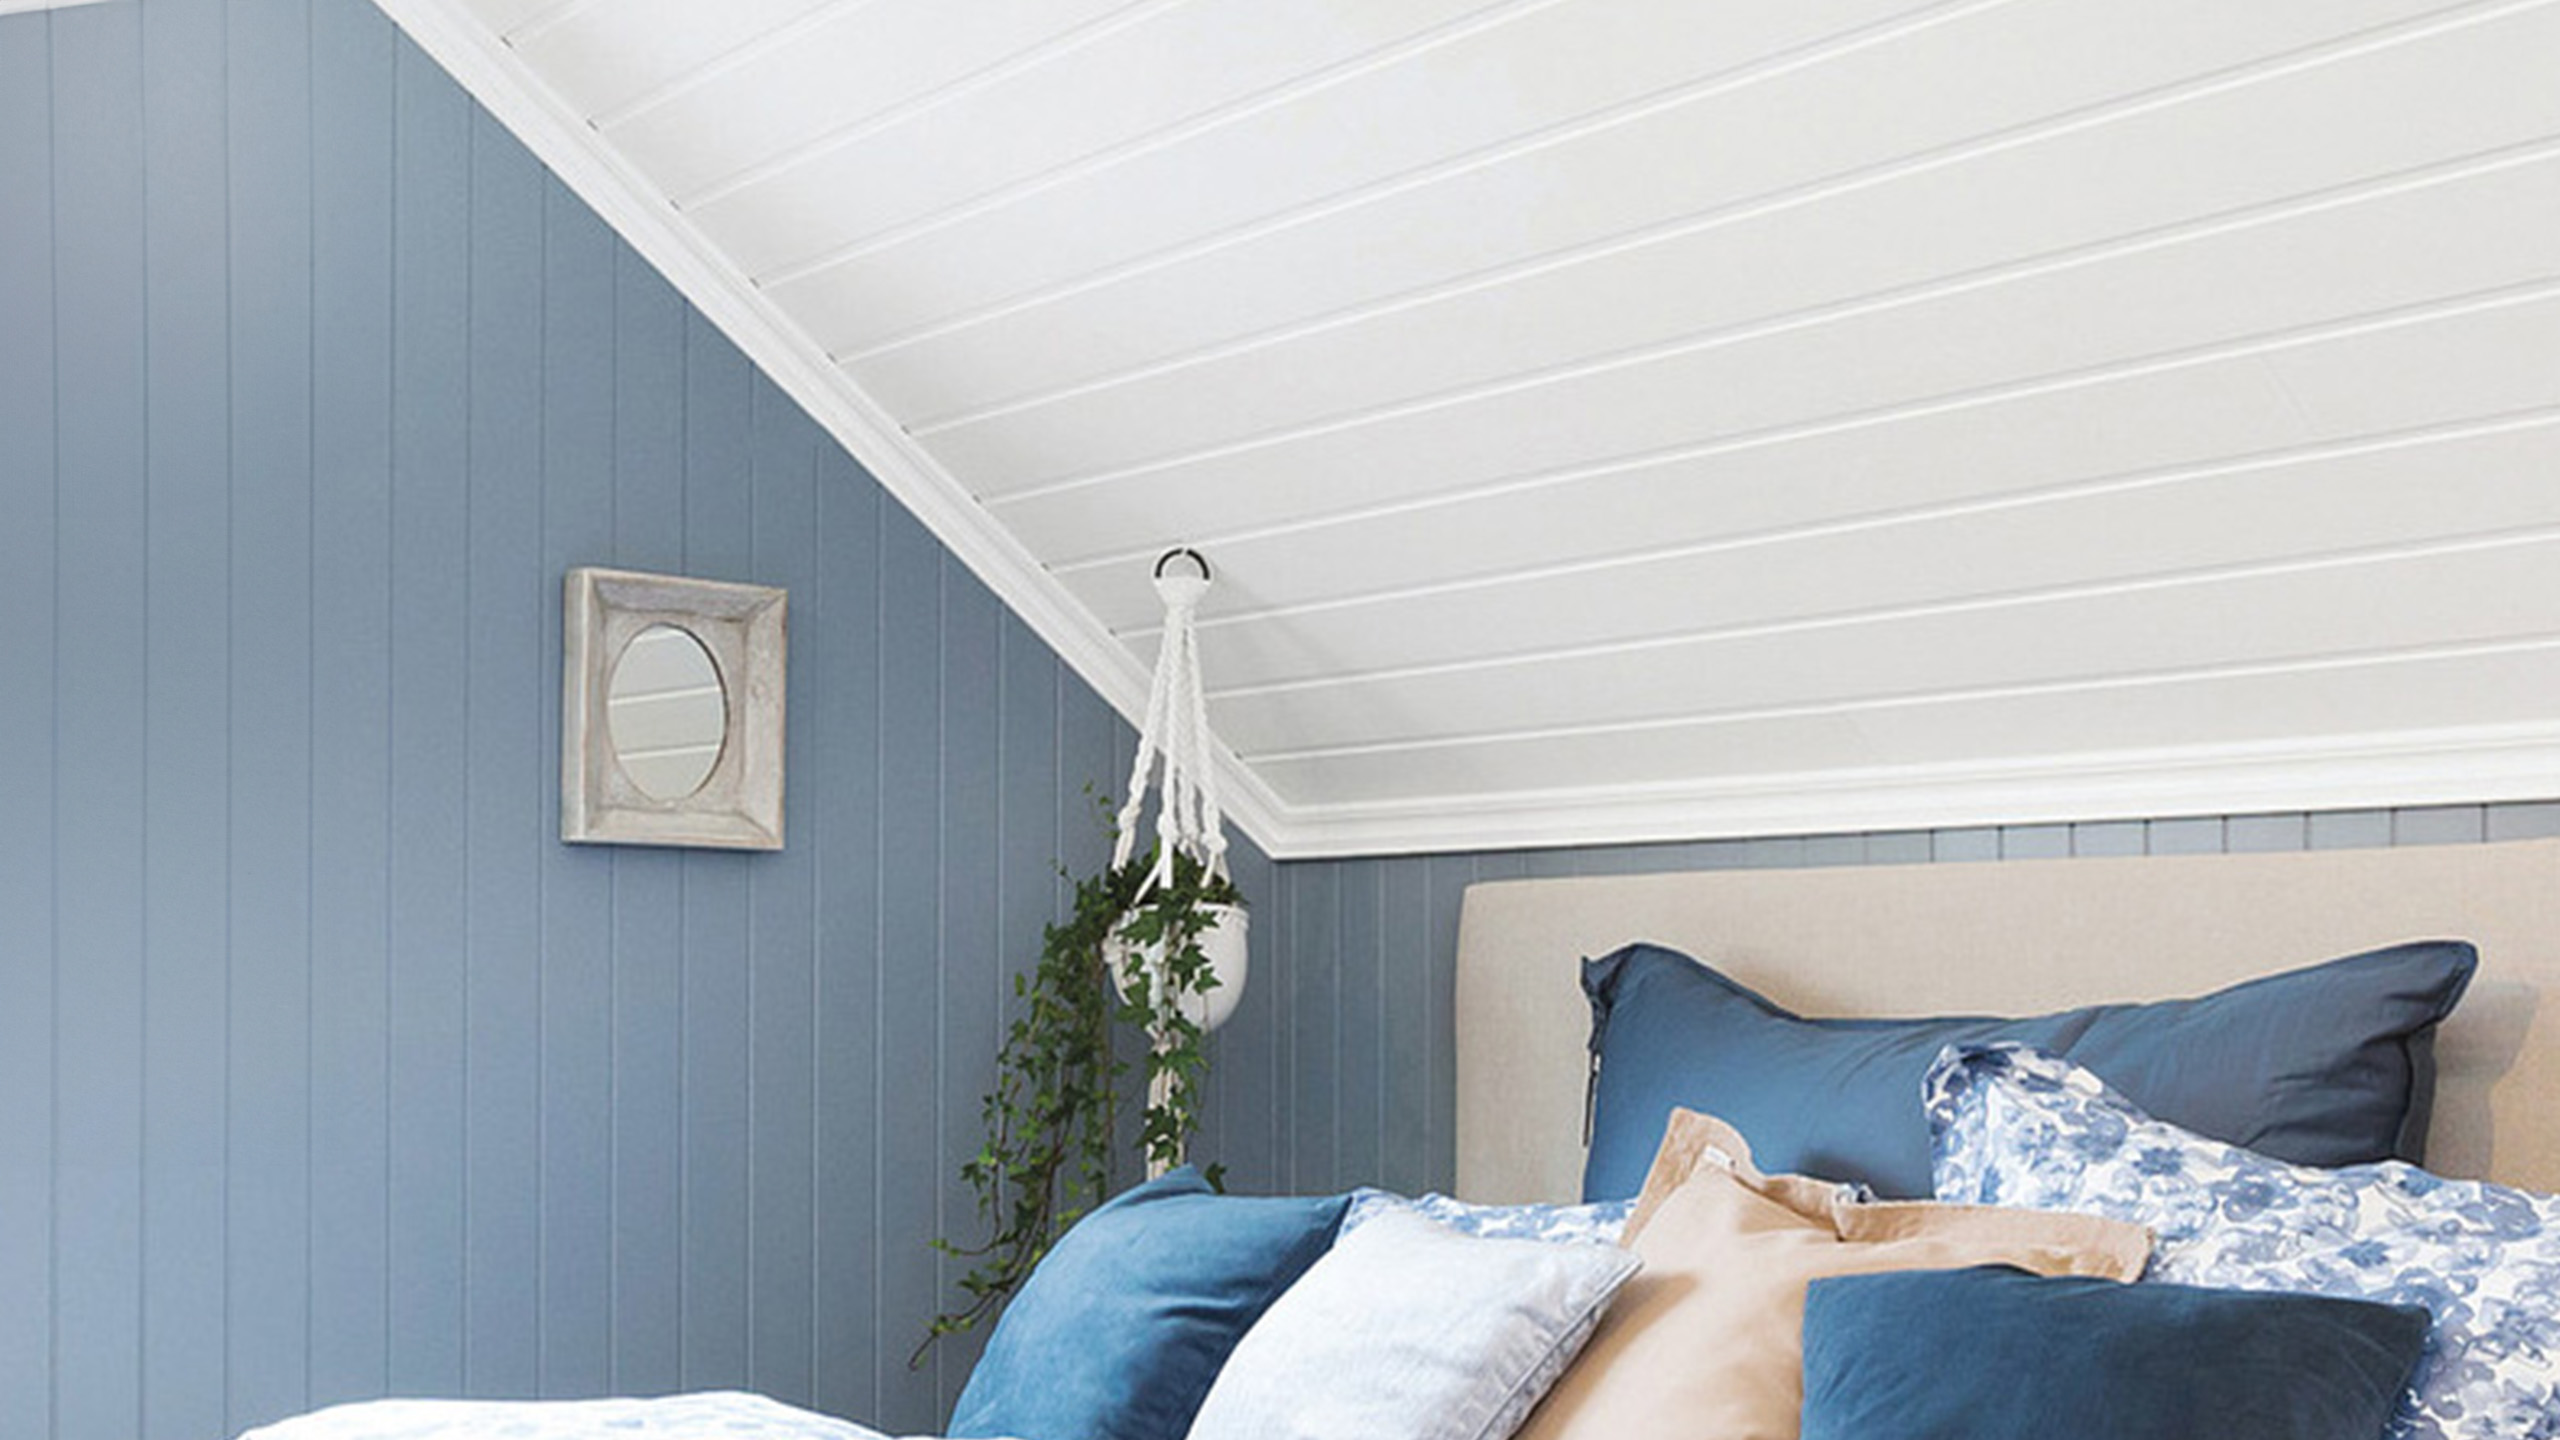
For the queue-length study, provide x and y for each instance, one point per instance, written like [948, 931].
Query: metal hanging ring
[1177, 551]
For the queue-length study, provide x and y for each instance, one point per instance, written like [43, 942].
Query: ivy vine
[1051, 1117]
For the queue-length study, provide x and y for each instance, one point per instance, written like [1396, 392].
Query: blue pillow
[2018, 1127]
[1994, 1353]
[2330, 1065]
[1123, 1325]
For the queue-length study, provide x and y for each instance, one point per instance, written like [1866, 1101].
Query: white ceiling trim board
[914, 478]
[2467, 766]
[23, 7]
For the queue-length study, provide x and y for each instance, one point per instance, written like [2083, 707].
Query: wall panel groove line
[2449, 19]
[1987, 278]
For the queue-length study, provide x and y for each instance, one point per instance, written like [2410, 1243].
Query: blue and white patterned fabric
[703, 1415]
[1598, 1222]
[2011, 1125]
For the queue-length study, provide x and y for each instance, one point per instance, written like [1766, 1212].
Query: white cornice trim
[2472, 765]
[21, 7]
[562, 140]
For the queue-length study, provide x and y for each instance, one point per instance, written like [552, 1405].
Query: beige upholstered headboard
[2017, 937]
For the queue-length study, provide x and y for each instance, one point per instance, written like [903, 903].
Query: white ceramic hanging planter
[1222, 943]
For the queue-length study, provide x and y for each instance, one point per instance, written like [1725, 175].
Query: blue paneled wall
[325, 1069]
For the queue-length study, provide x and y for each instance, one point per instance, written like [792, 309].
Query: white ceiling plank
[2297, 134]
[1207, 59]
[2415, 493]
[501, 16]
[2250, 616]
[2010, 733]
[2321, 396]
[1981, 72]
[859, 69]
[1409, 84]
[2403, 248]
[2486, 359]
[602, 56]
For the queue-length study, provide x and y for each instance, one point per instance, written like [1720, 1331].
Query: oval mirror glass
[666, 712]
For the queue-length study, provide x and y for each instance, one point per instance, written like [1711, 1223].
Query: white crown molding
[2471, 765]
[21, 7]
[561, 139]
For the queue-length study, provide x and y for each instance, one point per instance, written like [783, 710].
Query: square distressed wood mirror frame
[744, 630]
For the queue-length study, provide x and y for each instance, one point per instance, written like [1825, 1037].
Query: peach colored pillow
[1705, 1342]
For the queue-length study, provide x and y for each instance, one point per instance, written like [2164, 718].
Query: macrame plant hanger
[1177, 728]
[1187, 818]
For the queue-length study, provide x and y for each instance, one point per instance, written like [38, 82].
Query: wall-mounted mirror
[672, 711]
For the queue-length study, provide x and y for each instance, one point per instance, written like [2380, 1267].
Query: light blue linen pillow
[1124, 1323]
[2012, 1125]
[1597, 1221]
[1408, 1328]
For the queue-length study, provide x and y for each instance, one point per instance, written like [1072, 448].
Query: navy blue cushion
[1998, 1354]
[1126, 1321]
[2330, 1065]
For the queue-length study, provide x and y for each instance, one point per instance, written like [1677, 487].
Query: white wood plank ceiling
[1627, 419]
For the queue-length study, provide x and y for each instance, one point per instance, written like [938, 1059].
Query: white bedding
[704, 1415]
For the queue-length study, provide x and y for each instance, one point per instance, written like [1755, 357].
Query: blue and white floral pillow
[2012, 1125]
[1598, 1222]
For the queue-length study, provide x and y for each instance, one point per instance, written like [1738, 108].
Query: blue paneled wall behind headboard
[325, 1069]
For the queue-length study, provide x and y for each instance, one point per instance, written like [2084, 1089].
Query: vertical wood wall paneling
[268, 1168]
[719, 405]
[647, 927]
[189, 720]
[1360, 1020]
[26, 726]
[972, 764]
[782, 975]
[353, 61]
[1313, 979]
[582, 359]
[100, 679]
[908, 1127]
[835, 680]
[505, 832]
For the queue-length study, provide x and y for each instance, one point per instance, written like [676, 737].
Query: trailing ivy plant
[1051, 1117]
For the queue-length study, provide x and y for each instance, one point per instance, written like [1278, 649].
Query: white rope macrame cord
[1177, 728]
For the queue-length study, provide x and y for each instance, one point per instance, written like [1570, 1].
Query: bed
[2009, 939]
